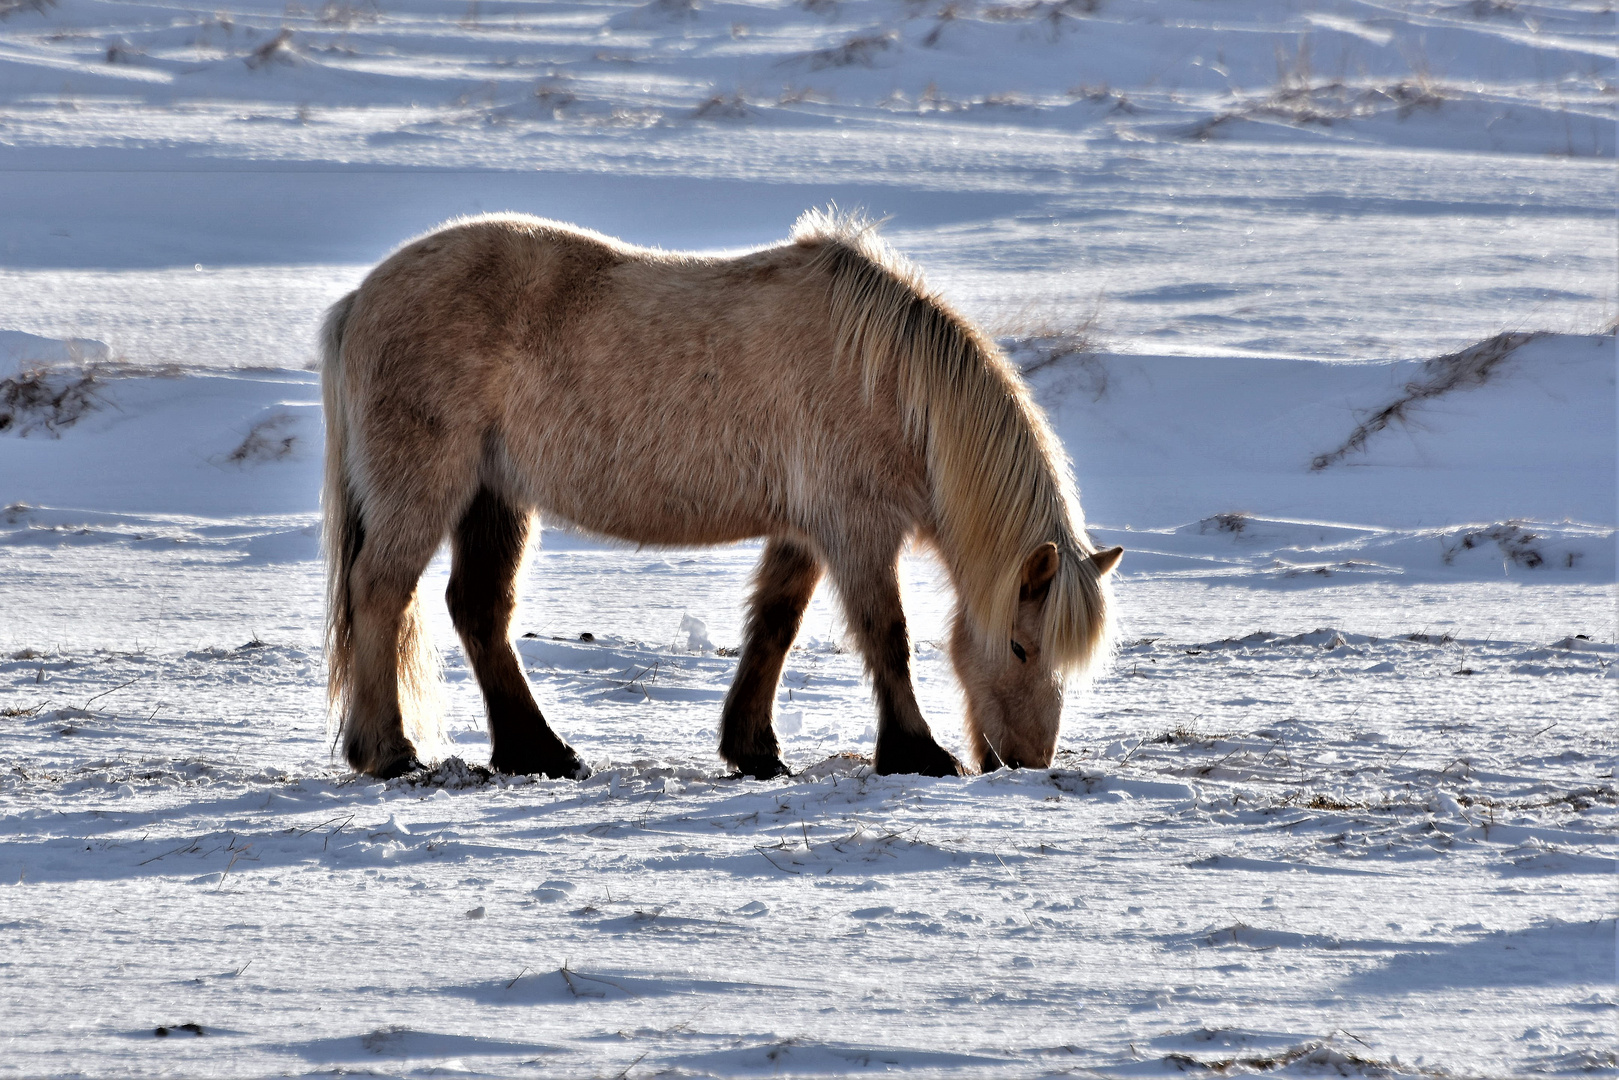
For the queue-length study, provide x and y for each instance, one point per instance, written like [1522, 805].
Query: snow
[1342, 803]
[20, 352]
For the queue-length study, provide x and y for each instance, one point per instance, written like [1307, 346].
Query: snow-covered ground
[1316, 294]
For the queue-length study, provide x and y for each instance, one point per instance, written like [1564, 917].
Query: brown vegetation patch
[860, 50]
[1183, 735]
[1518, 545]
[267, 441]
[1462, 370]
[1054, 13]
[1299, 98]
[277, 49]
[48, 399]
[732, 106]
[1234, 522]
[1315, 1056]
[550, 97]
[1044, 344]
[9, 8]
[347, 13]
[1326, 104]
[948, 14]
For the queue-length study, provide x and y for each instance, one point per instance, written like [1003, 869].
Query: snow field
[1341, 832]
[1161, 884]
[1340, 805]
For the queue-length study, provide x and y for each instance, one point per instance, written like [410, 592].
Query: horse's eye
[1017, 651]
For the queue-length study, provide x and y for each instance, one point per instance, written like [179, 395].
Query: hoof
[383, 757]
[909, 755]
[761, 768]
[396, 768]
[561, 763]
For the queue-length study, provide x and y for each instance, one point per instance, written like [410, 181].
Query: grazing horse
[814, 393]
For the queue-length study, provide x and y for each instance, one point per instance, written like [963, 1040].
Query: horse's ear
[1106, 559]
[1038, 570]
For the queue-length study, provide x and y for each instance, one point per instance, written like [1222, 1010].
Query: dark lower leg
[783, 585]
[905, 744]
[487, 552]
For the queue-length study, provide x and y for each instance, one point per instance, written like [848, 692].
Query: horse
[815, 393]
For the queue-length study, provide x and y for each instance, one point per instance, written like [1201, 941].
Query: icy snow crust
[1342, 804]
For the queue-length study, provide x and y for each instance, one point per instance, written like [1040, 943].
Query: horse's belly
[671, 458]
[657, 503]
[648, 525]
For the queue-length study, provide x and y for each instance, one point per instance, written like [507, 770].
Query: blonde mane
[1001, 483]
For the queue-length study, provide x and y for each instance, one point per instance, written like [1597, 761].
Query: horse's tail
[342, 529]
[343, 536]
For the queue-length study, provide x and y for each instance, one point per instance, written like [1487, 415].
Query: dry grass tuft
[1518, 545]
[932, 100]
[732, 106]
[1038, 343]
[1101, 95]
[1235, 522]
[1462, 370]
[1006, 99]
[860, 50]
[277, 50]
[1327, 104]
[802, 95]
[1054, 13]
[1183, 735]
[267, 441]
[1299, 98]
[550, 94]
[1315, 1056]
[673, 9]
[48, 399]
[9, 8]
[346, 13]
[1431, 639]
[1485, 9]
[948, 14]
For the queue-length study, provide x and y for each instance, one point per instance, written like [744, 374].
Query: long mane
[1001, 483]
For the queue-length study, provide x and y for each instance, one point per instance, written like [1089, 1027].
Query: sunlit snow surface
[1342, 803]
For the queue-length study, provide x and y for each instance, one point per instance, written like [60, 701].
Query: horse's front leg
[782, 587]
[905, 744]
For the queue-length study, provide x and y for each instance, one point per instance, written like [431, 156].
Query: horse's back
[699, 402]
[656, 397]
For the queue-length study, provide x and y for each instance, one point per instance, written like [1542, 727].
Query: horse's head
[1013, 690]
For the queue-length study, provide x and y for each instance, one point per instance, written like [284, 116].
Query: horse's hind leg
[487, 552]
[782, 588]
[382, 591]
[869, 588]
